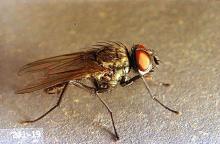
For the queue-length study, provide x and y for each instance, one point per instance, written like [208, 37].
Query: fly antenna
[155, 99]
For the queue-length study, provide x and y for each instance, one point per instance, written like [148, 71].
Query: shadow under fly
[106, 64]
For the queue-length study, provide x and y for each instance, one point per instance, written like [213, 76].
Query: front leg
[125, 82]
[156, 82]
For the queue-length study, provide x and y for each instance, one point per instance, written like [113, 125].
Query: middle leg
[96, 90]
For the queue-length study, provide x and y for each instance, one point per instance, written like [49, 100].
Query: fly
[106, 65]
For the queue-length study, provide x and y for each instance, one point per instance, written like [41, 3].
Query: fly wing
[61, 69]
[48, 64]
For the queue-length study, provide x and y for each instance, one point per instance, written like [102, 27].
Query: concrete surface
[185, 35]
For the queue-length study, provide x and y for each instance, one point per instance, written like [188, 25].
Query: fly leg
[156, 82]
[83, 86]
[148, 77]
[98, 89]
[51, 109]
[155, 99]
[111, 114]
[125, 82]
[101, 87]
[55, 89]
[130, 81]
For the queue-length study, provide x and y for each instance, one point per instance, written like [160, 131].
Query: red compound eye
[142, 59]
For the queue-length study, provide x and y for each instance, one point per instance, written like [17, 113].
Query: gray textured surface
[184, 33]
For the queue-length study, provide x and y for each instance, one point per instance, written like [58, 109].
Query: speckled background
[185, 35]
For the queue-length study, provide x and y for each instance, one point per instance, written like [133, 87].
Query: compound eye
[142, 60]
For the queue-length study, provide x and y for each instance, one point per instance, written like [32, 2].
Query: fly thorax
[117, 76]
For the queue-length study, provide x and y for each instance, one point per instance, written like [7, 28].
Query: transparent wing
[61, 69]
